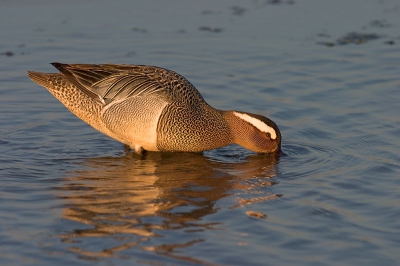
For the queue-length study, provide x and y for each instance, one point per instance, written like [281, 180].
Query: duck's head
[255, 132]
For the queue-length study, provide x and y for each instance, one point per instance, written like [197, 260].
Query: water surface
[70, 195]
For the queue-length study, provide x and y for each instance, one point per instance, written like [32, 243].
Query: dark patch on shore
[8, 53]
[357, 38]
[380, 23]
[141, 30]
[275, 2]
[210, 29]
[353, 38]
[237, 10]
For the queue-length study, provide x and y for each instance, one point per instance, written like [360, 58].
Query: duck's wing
[109, 82]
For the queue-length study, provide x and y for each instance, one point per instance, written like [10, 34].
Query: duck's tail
[43, 79]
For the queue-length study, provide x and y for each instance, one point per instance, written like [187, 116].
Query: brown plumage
[154, 109]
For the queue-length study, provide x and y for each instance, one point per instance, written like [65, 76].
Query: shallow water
[70, 195]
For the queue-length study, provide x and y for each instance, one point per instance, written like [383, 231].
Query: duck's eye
[268, 135]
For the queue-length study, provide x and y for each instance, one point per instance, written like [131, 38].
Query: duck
[150, 108]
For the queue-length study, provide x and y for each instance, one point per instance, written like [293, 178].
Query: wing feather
[109, 82]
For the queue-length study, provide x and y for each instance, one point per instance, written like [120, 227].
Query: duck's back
[116, 82]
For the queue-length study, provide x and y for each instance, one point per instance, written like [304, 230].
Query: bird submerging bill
[150, 108]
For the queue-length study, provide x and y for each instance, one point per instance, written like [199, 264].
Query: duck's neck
[238, 128]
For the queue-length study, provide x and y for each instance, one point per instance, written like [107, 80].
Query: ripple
[323, 159]
[295, 150]
[228, 154]
[303, 149]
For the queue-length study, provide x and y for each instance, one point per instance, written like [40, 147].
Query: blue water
[70, 195]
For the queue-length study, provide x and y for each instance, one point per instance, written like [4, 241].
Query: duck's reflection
[127, 201]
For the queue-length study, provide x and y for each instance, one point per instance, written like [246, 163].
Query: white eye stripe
[257, 123]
